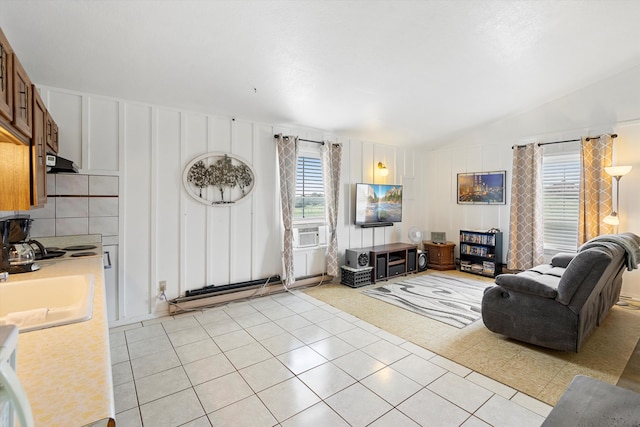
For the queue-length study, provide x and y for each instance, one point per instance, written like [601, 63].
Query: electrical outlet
[162, 286]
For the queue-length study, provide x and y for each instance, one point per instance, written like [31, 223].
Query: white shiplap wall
[166, 235]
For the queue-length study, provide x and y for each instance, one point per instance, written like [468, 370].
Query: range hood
[57, 164]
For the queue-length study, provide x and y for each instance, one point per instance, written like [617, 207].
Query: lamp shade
[618, 170]
[383, 169]
[612, 219]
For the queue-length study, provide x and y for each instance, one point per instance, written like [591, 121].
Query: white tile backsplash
[72, 226]
[45, 227]
[72, 207]
[103, 185]
[103, 206]
[105, 225]
[72, 184]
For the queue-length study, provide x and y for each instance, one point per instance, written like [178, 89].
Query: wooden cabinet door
[52, 135]
[6, 79]
[22, 99]
[38, 152]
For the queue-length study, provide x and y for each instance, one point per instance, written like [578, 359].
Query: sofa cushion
[585, 269]
[562, 259]
[530, 282]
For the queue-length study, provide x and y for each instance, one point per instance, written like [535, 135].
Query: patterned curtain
[288, 165]
[526, 230]
[595, 199]
[331, 167]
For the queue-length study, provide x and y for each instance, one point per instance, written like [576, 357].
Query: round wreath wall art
[218, 179]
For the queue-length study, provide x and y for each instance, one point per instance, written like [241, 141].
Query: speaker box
[395, 270]
[422, 261]
[357, 258]
[381, 267]
[411, 261]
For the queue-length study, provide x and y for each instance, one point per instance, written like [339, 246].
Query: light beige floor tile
[326, 379]
[209, 368]
[248, 412]
[247, 355]
[385, 352]
[467, 395]
[149, 346]
[358, 364]
[358, 405]
[288, 398]
[394, 418]
[319, 414]
[499, 411]
[125, 396]
[332, 347]
[197, 350]
[391, 385]
[179, 324]
[265, 330]
[491, 385]
[121, 373]
[129, 418]
[428, 409]
[419, 370]
[187, 336]
[358, 337]
[161, 384]
[223, 391]
[301, 359]
[251, 319]
[336, 325]
[292, 322]
[154, 363]
[173, 410]
[310, 334]
[233, 340]
[265, 374]
[144, 333]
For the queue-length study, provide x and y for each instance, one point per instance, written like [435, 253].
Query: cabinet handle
[108, 260]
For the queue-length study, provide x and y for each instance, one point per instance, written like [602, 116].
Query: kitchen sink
[47, 302]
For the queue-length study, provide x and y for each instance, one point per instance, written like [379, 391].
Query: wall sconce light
[383, 169]
[617, 172]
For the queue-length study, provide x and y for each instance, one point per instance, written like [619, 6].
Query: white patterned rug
[451, 300]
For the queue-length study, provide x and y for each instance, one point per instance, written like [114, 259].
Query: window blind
[561, 184]
[309, 189]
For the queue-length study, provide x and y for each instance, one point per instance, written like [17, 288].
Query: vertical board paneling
[167, 208]
[137, 196]
[241, 212]
[267, 237]
[67, 110]
[218, 230]
[193, 253]
[103, 134]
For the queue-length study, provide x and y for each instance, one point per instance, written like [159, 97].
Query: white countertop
[66, 370]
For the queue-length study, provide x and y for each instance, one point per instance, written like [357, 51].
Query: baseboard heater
[213, 295]
[213, 289]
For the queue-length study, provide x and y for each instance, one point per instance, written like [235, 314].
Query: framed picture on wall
[481, 188]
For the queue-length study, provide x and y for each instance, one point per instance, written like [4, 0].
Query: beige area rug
[541, 373]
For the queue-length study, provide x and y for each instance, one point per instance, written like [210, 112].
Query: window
[561, 184]
[309, 203]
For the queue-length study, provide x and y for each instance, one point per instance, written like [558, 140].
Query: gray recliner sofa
[559, 305]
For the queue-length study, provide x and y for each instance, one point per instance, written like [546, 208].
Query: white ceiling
[398, 72]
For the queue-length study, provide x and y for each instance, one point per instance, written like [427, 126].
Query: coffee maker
[18, 255]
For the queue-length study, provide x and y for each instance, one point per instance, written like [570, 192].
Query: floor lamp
[617, 172]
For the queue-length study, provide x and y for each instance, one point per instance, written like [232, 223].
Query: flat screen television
[378, 204]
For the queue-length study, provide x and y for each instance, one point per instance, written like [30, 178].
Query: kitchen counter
[66, 370]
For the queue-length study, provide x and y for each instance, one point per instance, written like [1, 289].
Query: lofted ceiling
[397, 72]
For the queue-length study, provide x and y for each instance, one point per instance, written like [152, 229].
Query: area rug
[448, 299]
[541, 373]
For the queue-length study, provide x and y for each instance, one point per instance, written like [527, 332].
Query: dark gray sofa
[558, 305]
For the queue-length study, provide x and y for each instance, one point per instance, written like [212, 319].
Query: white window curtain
[331, 167]
[526, 232]
[287, 162]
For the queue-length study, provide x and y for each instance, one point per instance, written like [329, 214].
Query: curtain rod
[301, 139]
[540, 144]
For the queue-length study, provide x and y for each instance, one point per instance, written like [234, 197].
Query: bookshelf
[481, 252]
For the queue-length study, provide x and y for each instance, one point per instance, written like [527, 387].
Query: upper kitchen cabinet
[51, 135]
[38, 152]
[22, 99]
[6, 70]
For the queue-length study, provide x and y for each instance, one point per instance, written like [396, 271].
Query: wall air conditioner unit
[309, 236]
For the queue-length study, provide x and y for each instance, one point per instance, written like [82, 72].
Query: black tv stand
[377, 224]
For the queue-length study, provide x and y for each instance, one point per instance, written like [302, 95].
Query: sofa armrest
[562, 259]
[522, 282]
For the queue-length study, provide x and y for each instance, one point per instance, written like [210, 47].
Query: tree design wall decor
[218, 179]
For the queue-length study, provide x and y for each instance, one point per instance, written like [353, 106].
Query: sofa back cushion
[585, 269]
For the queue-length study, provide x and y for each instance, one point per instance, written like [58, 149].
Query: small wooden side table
[440, 255]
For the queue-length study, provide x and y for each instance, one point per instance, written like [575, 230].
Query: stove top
[77, 251]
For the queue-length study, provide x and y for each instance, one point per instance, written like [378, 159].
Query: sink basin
[44, 303]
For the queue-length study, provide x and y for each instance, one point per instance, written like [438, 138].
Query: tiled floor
[291, 360]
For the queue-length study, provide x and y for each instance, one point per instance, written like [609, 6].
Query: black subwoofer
[422, 261]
